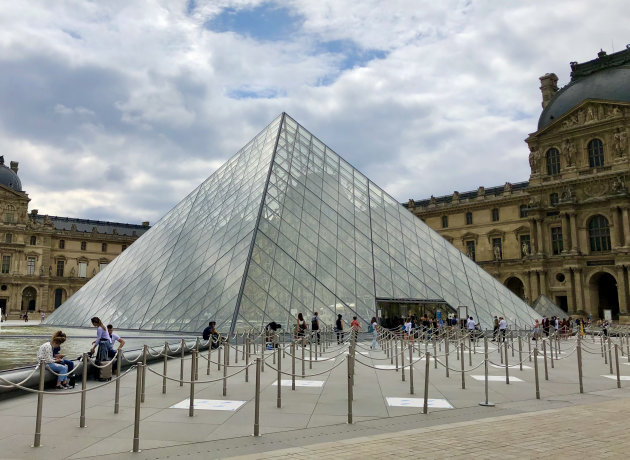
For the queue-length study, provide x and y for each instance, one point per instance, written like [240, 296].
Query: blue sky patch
[351, 54]
[266, 22]
[248, 93]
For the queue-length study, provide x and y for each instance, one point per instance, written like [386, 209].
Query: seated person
[57, 349]
[210, 333]
[112, 340]
[271, 335]
[45, 357]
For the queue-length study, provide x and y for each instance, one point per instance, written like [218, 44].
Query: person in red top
[355, 326]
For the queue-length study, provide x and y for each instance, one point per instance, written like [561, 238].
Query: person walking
[315, 325]
[502, 329]
[374, 327]
[339, 329]
[470, 325]
[301, 328]
[355, 326]
[495, 330]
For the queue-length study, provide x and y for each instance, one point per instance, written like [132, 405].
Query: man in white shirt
[112, 340]
[470, 325]
[502, 328]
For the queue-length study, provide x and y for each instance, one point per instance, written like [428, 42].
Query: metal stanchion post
[391, 351]
[181, 364]
[236, 350]
[40, 403]
[246, 358]
[536, 372]
[220, 350]
[226, 357]
[209, 355]
[402, 360]
[617, 366]
[83, 389]
[545, 359]
[425, 408]
[446, 352]
[263, 345]
[144, 371]
[520, 353]
[350, 395]
[551, 351]
[529, 348]
[395, 345]
[579, 361]
[303, 371]
[117, 391]
[434, 350]
[310, 353]
[257, 401]
[165, 366]
[470, 345]
[193, 366]
[462, 363]
[411, 369]
[507, 367]
[485, 350]
[293, 366]
[610, 355]
[226, 352]
[512, 342]
[136, 422]
[279, 399]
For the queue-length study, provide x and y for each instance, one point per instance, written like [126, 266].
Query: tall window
[595, 149]
[102, 266]
[599, 234]
[62, 244]
[30, 266]
[469, 220]
[526, 248]
[556, 240]
[124, 246]
[104, 247]
[8, 238]
[470, 249]
[553, 161]
[8, 218]
[33, 240]
[6, 264]
[60, 264]
[495, 215]
[444, 221]
[523, 210]
[497, 249]
[83, 245]
[553, 199]
[82, 269]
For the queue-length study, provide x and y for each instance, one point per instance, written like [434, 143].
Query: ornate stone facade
[566, 232]
[46, 259]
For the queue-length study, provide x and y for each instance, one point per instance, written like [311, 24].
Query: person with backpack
[339, 329]
[315, 325]
[301, 328]
[373, 329]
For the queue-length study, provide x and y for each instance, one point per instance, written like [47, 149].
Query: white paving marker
[498, 366]
[614, 377]
[418, 402]
[389, 366]
[496, 378]
[301, 383]
[322, 359]
[209, 404]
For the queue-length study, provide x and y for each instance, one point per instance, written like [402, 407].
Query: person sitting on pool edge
[112, 340]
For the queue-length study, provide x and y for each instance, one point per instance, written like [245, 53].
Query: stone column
[579, 289]
[574, 235]
[622, 289]
[533, 286]
[626, 227]
[565, 233]
[540, 238]
[570, 293]
[616, 235]
[542, 282]
[533, 237]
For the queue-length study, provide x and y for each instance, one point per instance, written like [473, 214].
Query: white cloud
[131, 104]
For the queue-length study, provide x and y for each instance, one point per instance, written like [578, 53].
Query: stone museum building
[565, 233]
[46, 259]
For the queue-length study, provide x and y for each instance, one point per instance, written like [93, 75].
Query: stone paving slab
[309, 415]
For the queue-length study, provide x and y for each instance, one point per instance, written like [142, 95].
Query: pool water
[19, 344]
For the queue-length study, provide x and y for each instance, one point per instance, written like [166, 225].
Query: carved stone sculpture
[497, 253]
[525, 249]
[620, 142]
[534, 159]
[569, 150]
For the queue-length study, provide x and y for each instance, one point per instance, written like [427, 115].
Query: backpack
[370, 328]
[314, 324]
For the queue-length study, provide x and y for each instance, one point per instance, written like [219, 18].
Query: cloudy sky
[117, 109]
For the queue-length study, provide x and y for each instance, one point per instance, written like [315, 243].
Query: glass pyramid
[544, 306]
[285, 226]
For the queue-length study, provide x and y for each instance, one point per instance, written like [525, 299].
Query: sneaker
[60, 387]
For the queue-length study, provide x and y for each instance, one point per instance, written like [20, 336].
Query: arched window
[599, 233]
[469, 220]
[595, 149]
[553, 161]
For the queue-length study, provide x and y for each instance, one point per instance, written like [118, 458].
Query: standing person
[301, 327]
[470, 325]
[495, 330]
[408, 327]
[536, 330]
[315, 325]
[355, 326]
[45, 356]
[502, 329]
[339, 329]
[374, 327]
[102, 341]
[43, 316]
[25, 317]
[545, 325]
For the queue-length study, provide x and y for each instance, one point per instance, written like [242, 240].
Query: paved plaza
[312, 421]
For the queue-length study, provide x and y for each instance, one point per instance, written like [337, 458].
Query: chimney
[548, 87]
[34, 212]
[145, 223]
[14, 166]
